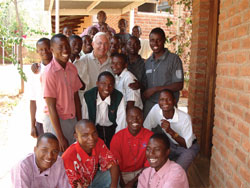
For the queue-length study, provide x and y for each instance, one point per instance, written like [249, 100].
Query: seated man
[123, 79]
[105, 106]
[43, 168]
[129, 147]
[81, 159]
[162, 172]
[178, 127]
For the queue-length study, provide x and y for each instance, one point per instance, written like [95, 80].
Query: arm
[166, 126]
[33, 119]
[77, 106]
[173, 87]
[51, 103]
[114, 172]
[21, 177]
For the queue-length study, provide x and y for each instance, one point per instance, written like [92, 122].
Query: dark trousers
[106, 133]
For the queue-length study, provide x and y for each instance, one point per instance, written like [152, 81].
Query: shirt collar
[57, 66]
[91, 55]
[175, 117]
[152, 58]
[99, 99]
[162, 171]
[37, 170]
[82, 155]
[122, 74]
[138, 136]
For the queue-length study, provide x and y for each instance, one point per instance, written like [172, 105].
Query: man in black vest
[105, 107]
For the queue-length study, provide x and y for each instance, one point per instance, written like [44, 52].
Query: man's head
[86, 135]
[43, 49]
[157, 40]
[101, 17]
[118, 63]
[100, 45]
[67, 31]
[122, 25]
[157, 150]
[136, 31]
[105, 83]
[59, 46]
[133, 45]
[46, 151]
[75, 44]
[166, 100]
[134, 120]
[92, 32]
[115, 45]
[87, 44]
[104, 28]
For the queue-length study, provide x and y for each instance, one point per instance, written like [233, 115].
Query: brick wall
[230, 163]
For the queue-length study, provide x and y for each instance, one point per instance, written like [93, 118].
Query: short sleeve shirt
[61, 84]
[129, 150]
[81, 168]
[164, 71]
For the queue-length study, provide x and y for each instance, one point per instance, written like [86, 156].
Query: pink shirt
[27, 175]
[61, 84]
[171, 175]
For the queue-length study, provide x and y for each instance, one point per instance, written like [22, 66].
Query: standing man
[60, 84]
[163, 70]
[101, 17]
[92, 64]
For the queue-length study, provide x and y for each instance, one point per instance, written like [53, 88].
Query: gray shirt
[164, 71]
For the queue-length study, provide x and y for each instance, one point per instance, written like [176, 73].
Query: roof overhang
[87, 7]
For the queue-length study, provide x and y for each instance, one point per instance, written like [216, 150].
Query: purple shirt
[27, 175]
[85, 32]
[170, 175]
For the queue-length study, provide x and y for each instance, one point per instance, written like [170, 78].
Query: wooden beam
[85, 12]
[132, 6]
[92, 5]
[51, 3]
[151, 1]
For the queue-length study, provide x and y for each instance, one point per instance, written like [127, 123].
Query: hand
[35, 68]
[135, 85]
[149, 92]
[33, 132]
[165, 125]
[63, 143]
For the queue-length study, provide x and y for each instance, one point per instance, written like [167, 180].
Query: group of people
[104, 116]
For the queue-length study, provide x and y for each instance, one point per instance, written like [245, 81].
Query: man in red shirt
[81, 159]
[129, 147]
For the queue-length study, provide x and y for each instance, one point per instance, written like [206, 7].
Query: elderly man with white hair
[91, 65]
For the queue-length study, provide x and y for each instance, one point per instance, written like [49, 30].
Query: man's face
[101, 46]
[117, 65]
[134, 121]
[133, 46]
[43, 49]
[92, 32]
[101, 17]
[87, 137]
[156, 153]
[67, 32]
[166, 101]
[61, 50]
[105, 86]
[122, 25]
[136, 31]
[87, 44]
[156, 42]
[76, 46]
[114, 45]
[46, 153]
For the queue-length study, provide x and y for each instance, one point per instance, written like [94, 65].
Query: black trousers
[106, 133]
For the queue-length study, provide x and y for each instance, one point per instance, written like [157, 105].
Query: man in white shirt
[37, 102]
[105, 107]
[123, 78]
[177, 125]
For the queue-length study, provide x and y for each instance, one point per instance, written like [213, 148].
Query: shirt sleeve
[85, 113]
[63, 180]
[20, 176]
[31, 94]
[142, 180]
[121, 116]
[130, 94]
[150, 121]
[187, 131]
[177, 73]
[106, 158]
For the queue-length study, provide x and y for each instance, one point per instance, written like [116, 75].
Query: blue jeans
[101, 180]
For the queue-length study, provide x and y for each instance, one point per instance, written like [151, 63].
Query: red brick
[233, 161]
[230, 184]
[237, 110]
[245, 173]
[241, 57]
[244, 100]
[236, 20]
[243, 128]
[237, 180]
[241, 30]
[246, 41]
[235, 135]
[232, 96]
[238, 84]
[229, 144]
[243, 5]
[235, 45]
[244, 70]
[246, 16]
[241, 155]
[246, 144]
[247, 117]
